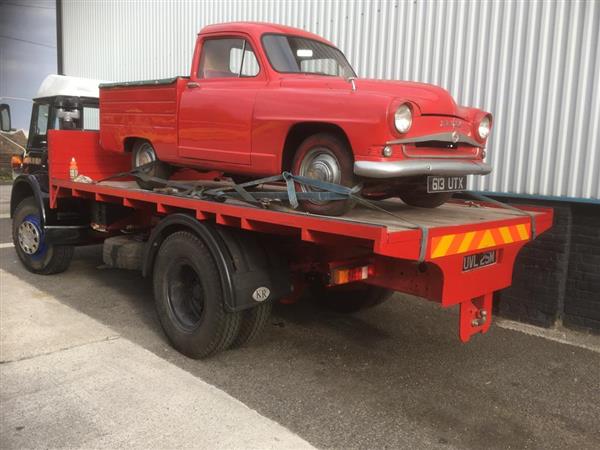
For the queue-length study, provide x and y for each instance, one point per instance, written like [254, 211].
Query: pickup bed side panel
[142, 111]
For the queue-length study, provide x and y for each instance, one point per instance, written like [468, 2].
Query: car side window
[227, 58]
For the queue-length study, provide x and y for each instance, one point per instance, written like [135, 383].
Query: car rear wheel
[143, 153]
[326, 158]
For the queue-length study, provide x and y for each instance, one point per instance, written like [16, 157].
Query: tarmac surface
[85, 363]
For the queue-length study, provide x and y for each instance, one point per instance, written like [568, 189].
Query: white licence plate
[446, 184]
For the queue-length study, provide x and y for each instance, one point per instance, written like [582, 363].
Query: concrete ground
[85, 363]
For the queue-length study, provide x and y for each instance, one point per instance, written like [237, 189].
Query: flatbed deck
[432, 253]
[400, 224]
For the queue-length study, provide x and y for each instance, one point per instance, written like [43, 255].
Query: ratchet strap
[323, 191]
[484, 198]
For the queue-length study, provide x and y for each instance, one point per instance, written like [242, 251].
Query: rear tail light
[343, 275]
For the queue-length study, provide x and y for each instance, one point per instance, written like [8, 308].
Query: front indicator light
[16, 162]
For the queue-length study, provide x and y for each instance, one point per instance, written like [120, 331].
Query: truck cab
[61, 103]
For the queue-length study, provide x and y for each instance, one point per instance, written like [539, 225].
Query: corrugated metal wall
[535, 65]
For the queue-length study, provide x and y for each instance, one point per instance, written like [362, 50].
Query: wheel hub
[186, 295]
[29, 237]
[320, 164]
[145, 155]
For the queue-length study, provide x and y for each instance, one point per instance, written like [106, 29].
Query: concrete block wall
[557, 277]
[582, 293]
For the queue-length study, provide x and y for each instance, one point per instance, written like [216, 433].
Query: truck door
[217, 104]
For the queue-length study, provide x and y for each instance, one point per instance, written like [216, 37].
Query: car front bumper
[410, 168]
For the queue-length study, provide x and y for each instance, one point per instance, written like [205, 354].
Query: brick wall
[582, 296]
[557, 276]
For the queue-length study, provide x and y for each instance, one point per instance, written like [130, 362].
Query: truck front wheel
[189, 297]
[35, 253]
[143, 153]
[325, 157]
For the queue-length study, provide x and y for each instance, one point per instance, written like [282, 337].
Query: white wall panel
[534, 64]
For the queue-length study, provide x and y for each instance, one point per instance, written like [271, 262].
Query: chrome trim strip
[407, 168]
[449, 155]
[442, 137]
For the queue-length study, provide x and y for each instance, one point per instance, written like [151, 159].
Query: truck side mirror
[5, 117]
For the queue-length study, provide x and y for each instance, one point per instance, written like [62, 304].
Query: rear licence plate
[478, 260]
[446, 184]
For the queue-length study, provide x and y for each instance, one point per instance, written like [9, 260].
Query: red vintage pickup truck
[264, 98]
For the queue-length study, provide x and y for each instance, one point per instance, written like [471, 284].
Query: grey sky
[27, 53]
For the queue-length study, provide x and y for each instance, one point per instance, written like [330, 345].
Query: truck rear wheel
[325, 157]
[253, 323]
[350, 298]
[143, 153]
[32, 249]
[189, 297]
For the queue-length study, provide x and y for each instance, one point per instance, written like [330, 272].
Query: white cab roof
[54, 85]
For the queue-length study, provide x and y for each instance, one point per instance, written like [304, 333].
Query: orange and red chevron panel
[453, 244]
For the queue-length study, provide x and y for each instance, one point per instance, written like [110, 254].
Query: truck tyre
[325, 157]
[143, 153]
[189, 297]
[349, 298]
[28, 237]
[253, 323]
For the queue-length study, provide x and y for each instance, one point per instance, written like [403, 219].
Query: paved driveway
[394, 376]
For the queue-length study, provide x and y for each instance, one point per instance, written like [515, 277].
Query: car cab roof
[257, 29]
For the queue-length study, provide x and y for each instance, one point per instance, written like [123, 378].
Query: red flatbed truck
[217, 267]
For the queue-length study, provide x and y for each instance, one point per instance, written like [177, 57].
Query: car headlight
[484, 127]
[403, 118]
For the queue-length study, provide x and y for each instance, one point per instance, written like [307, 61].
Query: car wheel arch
[129, 142]
[299, 131]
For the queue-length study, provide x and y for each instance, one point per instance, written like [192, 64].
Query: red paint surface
[317, 241]
[240, 125]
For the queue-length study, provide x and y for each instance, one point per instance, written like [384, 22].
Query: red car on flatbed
[264, 98]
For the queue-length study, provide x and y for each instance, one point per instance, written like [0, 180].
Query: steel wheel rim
[29, 237]
[186, 295]
[321, 164]
[144, 155]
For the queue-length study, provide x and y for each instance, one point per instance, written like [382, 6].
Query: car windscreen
[292, 54]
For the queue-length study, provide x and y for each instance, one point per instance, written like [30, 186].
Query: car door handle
[192, 84]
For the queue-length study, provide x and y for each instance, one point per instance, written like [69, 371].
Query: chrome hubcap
[321, 164]
[145, 155]
[29, 237]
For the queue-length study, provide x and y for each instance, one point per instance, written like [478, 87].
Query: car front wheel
[324, 157]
